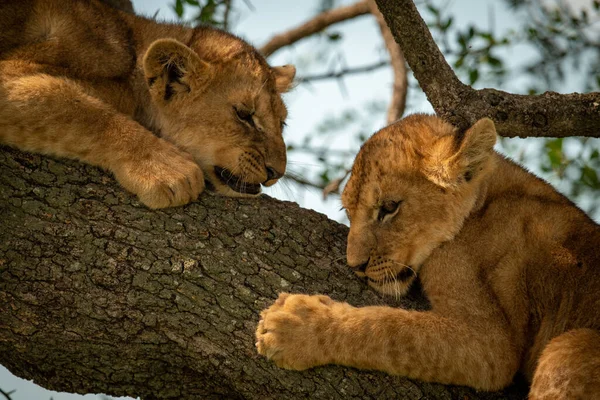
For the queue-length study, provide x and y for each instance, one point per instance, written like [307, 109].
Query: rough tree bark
[99, 294]
[546, 115]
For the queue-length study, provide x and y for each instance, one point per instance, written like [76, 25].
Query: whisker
[302, 163]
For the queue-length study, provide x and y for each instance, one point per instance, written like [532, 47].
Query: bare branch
[398, 101]
[334, 185]
[546, 115]
[6, 394]
[314, 25]
[250, 5]
[342, 72]
[304, 182]
[226, 14]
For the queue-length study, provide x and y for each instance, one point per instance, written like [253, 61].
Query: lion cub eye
[245, 116]
[388, 208]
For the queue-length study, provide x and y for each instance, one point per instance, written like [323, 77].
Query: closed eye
[245, 116]
[387, 209]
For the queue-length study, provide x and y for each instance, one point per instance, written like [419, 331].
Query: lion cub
[168, 109]
[510, 266]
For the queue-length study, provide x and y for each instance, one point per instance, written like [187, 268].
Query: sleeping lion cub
[167, 109]
[511, 267]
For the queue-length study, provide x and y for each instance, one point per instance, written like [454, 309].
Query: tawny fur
[157, 104]
[510, 266]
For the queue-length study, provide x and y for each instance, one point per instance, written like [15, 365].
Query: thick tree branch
[545, 115]
[400, 88]
[99, 294]
[314, 25]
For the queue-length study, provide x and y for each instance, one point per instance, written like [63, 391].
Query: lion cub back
[86, 38]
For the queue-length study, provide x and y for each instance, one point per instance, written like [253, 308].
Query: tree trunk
[546, 115]
[100, 294]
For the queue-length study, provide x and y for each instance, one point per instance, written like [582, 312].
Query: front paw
[297, 331]
[164, 177]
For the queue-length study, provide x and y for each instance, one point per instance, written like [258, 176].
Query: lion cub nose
[360, 267]
[273, 174]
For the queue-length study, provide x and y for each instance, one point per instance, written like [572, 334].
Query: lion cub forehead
[395, 154]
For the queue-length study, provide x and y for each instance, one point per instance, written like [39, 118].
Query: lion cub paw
[166, 177]
[295, 331]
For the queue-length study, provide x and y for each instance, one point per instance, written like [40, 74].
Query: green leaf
[555, 153]
[487, 36]
[445, 25]
[462, 41]
[473, 76]
[178, 8]
[433, 10]
[494, 62]
[533, 33]
[335, 36]
[554, 144]
[589, 176]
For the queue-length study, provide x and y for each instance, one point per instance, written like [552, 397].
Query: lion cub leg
[569, 367]
[53, 115]
[301, 331]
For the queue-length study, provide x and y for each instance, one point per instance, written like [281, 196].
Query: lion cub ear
[284, 76]
[171, 69]
[470, 160]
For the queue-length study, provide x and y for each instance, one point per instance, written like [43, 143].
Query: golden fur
[510, 266]
[80, 79]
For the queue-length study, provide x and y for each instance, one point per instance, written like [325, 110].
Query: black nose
[272, 174]
[359, 268]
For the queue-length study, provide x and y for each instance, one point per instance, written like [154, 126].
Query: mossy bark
[100, 294]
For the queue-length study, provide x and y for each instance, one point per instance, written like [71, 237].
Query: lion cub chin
[168, 109]
[510, 266]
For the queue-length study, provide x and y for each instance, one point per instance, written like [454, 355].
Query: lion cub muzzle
[236, 183]
[385, 275]
[245, 176]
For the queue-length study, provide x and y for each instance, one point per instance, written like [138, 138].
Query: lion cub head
[411, 188]
[219, 100]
